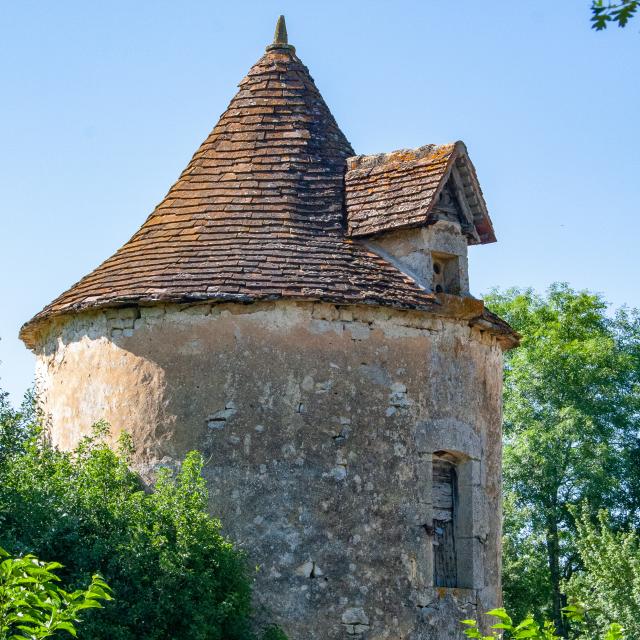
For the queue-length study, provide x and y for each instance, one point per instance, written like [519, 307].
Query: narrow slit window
[445, 507]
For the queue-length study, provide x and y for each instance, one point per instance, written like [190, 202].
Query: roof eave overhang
[441, 305]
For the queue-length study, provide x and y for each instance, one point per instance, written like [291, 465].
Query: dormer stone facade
[419, 209]
[435, 256]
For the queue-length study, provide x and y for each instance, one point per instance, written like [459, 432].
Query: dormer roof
[413, 188]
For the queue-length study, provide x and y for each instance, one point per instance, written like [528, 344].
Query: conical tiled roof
[257, 214]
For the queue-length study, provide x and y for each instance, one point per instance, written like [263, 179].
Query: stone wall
[412, 251]
[318, 425]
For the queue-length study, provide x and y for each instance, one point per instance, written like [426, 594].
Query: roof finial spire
[280, 38]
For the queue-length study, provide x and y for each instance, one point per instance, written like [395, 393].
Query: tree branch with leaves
[605, 13]
[34, 606]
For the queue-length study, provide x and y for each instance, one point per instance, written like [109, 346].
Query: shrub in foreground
[172, 573]
[530, 629]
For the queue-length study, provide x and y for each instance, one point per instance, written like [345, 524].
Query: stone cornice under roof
[258, 214]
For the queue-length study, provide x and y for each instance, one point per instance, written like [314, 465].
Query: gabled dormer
[419, 209]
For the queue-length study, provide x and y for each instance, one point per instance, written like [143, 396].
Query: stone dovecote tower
[302, 315]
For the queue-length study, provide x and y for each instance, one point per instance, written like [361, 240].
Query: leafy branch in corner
[33, 606]
[616, 12]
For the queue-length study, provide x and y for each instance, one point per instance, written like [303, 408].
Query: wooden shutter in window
[444, 514]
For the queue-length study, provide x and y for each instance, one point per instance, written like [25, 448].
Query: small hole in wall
[438, 288]
[436, 267]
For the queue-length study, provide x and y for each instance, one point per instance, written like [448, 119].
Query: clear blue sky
[103, 104]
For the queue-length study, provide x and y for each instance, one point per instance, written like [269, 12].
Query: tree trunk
[553, 555]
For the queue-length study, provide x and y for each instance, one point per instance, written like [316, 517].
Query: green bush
[33, 606]
[172, 573]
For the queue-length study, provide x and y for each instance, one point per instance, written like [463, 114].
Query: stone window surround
[459, 439]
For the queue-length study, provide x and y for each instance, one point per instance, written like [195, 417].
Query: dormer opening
[446, 273]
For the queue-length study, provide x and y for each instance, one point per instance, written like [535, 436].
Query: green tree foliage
[34, 606]
[610, 575]
[525, 569]
[603, 13]
[571, 407]
[530, 629]
[172, 573]
[16, 427]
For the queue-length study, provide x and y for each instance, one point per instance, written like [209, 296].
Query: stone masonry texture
[317, 424]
